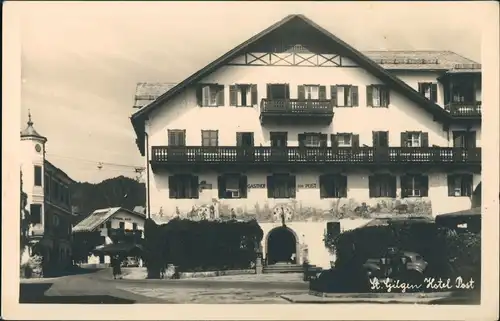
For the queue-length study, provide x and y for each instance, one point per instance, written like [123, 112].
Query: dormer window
[210, 95]
[428, 90]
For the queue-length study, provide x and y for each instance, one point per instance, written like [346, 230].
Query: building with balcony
[116, 225]
[296, 123]
[48, 201]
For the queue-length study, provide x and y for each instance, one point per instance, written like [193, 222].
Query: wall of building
[307, 203]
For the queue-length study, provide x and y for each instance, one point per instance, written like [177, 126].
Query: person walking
[116, 264]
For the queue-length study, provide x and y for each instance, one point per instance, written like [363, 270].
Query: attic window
[210, 95]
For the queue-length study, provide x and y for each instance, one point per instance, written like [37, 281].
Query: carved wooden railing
[296, 106]
[339, 155]
[464, 109]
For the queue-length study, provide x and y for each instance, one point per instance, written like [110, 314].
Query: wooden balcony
[257, 156]
[117, 234]
[295, 111]
[465, 110]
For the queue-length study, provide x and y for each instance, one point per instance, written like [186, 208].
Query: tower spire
[30, 123]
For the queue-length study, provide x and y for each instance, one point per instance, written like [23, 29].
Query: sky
[81, 61]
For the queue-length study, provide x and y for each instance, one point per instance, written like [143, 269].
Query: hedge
[448, 253]
[194, 246]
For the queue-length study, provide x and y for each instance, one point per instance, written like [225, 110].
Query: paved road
[100, 287]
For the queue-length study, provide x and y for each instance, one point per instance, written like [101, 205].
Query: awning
[118, 248]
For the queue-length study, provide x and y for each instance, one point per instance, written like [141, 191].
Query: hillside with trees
[118, 191]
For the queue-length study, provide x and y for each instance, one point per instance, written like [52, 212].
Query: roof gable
[100, 216]
[281, 28]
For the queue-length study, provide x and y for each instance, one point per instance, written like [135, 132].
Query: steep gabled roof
[100, 216]
[396, 84]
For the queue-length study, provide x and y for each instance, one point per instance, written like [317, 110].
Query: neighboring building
[297, 122]
[48, 201]
[114, 224]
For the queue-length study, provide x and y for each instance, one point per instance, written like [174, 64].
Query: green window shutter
[292, 186]
[343, 184]
[220, 95]
[355, 140]
[333, 95]
[254, 95]
[393, 184]
[323, 140]
[354, 96]
[371, 187]
[301, 138]
[301, 92]
[405, 185]
[451, 185]
[270, 186]
[425, 139]
[369, 96]
[466, 185]
[195, 191]
[243, 186]
[424, 185]
[172, 188]
[404, 139]
[434, 92]
[233, 95]
[199, 95]
[322, 93]
[221, 186]
[420, 88]
[375, 140]
[333, 141]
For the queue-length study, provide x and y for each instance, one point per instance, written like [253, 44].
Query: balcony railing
[296, 106]
[123, 234]
[313, 155]
[464, 109]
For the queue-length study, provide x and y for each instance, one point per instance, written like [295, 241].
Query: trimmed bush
[194, 246]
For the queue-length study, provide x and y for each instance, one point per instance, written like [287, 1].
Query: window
[464, 139]
[36, 213]
[377, 96]
[345, 140]
[414, 186]
[108, 224]
[312, 140]
[428, 90]
[176, 137]
[382, 185]
[38, 175]
[344, 95]
[333, 186]
[183, 186]
[281, 186]
[209, 137]
[211, 95]
[414, 139]
[134, 226]
[122, 225]
[311, 92]
[243, 95]
[232, 186]
[460, 185]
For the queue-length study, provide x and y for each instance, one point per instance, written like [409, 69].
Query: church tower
[32, 167]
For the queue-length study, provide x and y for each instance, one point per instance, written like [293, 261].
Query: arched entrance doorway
[282, 245]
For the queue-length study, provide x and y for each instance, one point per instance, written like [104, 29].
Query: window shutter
[323, 140]
[254, 95]
[199, 95]
[434, 92]
[405, 185]
[221, 186]
[269, 92]
[375, 139]
[404, 139]
[371, 187]
[205, 95]
[172, 188]
[291, 186]
[233, 95]
[369, 96]
[425, 139]
[420, 88]
[195, 192]
[239, 139]
[451, 185]
[333, 95]
[343, 183]
[471, 140]
[270, 187]
[301, 92]
[333, 141]
[301, 138]
[220, 95]
[322, 93]
[354, 96]
[424, 185]
[182, 139]
[392, 180]
[466, 185]
[386, 93]
[322, 186]
[355, 140]
[243, 186]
